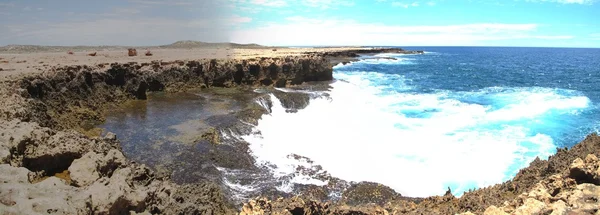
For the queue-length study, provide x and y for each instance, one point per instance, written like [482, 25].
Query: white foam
[362, 134]
[386, 61]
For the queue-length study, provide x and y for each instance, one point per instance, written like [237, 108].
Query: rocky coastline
[54, 162]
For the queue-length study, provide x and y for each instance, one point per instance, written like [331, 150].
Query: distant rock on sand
[132, 52]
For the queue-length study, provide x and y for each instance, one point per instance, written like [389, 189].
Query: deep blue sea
[458, 117]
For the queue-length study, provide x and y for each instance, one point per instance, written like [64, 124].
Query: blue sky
[550, 23]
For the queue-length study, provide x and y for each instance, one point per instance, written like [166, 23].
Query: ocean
[454, 117]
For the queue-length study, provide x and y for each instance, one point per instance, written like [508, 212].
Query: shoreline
[43, 107]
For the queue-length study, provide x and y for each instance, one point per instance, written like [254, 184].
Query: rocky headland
[53, 161]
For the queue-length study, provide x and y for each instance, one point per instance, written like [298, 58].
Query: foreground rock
[99, 178]
[565, 184]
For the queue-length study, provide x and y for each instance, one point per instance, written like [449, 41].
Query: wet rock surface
[49, 166]
[564, 184]
[100, 179]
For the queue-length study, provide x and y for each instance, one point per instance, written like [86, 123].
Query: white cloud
[269, 3]
[305, 31]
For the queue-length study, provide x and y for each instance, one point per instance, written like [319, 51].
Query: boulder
[131, 52]
[586, 171]
[19, 196]
[114, 195]
[84, 170]
[92, 166]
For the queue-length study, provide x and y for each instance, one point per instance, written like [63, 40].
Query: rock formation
[49, 167]
[131, 52]
[565, 184]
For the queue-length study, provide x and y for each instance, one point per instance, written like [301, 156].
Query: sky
[538, 23]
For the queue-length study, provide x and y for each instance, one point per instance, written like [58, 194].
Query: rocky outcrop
[99, 179]
[564, 184]
[74, 96]
[47, 167]
[574, 193]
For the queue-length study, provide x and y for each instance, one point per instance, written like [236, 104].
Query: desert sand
[33, 62]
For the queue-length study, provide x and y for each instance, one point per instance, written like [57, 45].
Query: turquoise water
[458, 117]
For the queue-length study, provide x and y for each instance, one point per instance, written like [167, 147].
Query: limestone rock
[213, 136]
[110, 136]
[366, 192]
[586, 171]
[41, 149]
[559, 208]
[84, 170]
[18, 196]
[493, 210]
[585, 199]
[4, 155]
[531, 206]
[114, 195]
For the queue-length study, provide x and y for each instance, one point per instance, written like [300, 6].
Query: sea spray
[376, 126]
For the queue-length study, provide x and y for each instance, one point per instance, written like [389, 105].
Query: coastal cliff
[53, 162]
[66, 97]
[50, 166]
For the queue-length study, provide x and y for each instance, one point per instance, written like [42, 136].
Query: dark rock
[368, 192]
[293, 101]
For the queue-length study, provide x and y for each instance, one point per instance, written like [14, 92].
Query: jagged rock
[110, 136]
[212, 136]
[493, 210]
[251, 208]
[92, 166]
[559, 208]
[114, 195]
[41, 149]
[84, 170]
[367, 192]
[198, 198]
[293, 101]
[67, 96]
[531, 206]
[586, 171]
[19, 196]
[585, 199]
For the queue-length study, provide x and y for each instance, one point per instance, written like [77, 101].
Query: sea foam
[374, 127]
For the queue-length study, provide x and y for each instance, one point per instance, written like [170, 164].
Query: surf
[379, 127]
